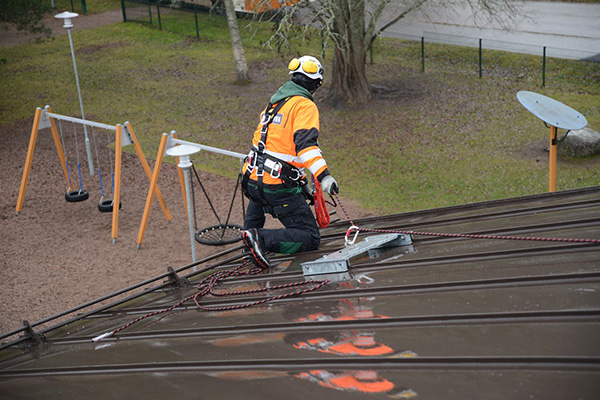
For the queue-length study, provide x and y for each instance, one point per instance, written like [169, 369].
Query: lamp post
[68, 24]
[183, 152]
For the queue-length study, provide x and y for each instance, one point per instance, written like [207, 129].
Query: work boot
[250, 239]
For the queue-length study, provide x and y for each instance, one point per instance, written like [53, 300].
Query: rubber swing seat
[106, 205]
[75, 196]
[219, 235]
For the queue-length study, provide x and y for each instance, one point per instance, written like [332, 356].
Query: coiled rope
[458, 235]
[208, 284]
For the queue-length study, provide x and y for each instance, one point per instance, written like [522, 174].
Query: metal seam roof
[441, 318]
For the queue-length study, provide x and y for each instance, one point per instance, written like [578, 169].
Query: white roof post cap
[67, 16]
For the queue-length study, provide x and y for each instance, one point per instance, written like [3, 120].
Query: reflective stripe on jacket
[292, 137]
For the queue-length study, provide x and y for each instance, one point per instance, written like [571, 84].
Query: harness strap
[268, 117]
[261, 157]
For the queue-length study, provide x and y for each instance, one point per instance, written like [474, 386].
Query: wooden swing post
[117, 193]
[29, 160]
[148, 171]
[59, 149]
[153, 187]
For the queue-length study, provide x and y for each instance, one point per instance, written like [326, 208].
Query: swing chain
[208, 235]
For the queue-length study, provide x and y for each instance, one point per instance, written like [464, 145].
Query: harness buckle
[267, 118]
[260, 164]
[276, 170]
[251, 161]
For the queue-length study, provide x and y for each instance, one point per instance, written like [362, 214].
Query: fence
[163, 13]
[488, 44]
[78, 6]
[170, 18]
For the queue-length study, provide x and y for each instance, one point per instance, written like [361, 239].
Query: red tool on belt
[320, 208]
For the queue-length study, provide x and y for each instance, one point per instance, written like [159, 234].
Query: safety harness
[263, 162]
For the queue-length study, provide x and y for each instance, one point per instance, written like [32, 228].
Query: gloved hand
[329, 185]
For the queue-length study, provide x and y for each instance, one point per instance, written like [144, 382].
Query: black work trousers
[301, 232]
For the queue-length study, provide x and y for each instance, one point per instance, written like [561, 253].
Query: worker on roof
[284, 143]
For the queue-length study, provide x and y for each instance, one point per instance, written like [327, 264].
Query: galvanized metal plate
[126, 138]
[339, 261]
[551, 111]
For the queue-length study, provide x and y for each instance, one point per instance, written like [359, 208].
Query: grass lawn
[443, 137]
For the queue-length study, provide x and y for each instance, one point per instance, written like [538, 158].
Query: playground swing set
[124, 136]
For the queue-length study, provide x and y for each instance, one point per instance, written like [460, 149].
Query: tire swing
[104, 205]
[222, 233]
[74, 196]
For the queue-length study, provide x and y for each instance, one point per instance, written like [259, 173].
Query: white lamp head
[67, 16]
[183, 151]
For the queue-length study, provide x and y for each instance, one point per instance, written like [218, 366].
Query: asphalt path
[567, 30]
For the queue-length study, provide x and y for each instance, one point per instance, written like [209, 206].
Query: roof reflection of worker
[342, 310]
[349, 343]
[364, 381]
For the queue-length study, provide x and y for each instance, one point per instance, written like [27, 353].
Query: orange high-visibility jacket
[292, 137]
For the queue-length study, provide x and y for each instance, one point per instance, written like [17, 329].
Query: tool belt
[278, 169]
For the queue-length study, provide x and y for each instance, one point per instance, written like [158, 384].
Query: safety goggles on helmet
[308, 66]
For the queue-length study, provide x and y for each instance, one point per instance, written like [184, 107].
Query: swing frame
[124, 136]
[168, 141]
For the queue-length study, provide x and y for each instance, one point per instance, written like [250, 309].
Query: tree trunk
[349, 85]
[241, 67]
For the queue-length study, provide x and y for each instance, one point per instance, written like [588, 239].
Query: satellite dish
[552, 112]
[557, 115]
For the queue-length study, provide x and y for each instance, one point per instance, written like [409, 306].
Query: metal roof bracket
[33, 338]
[340, 260]
[175, 279]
